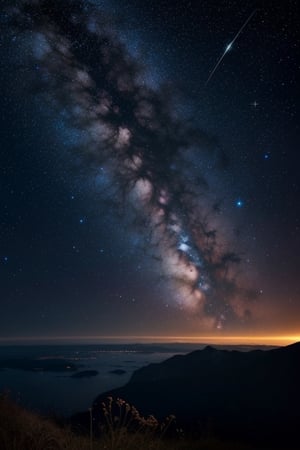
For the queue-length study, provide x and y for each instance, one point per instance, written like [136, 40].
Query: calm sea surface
[56, 392]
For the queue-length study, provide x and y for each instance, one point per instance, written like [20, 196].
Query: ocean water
[57, 392]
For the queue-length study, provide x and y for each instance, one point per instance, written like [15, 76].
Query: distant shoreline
[146, 348]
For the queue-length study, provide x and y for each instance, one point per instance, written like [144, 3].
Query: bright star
[239, 203]
[184, 247]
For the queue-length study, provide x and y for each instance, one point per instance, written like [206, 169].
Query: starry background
[71, 264]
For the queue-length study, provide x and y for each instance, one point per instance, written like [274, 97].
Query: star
[239, 203]
[254, 104]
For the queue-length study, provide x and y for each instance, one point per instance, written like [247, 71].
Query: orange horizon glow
[279, 340]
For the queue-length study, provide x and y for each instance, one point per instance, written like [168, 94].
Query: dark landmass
[66, 358]
[85, 350]
[252, 396]
[118, 371]
[39, 365]
[85, 374]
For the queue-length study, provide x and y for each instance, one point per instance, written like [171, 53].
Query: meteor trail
[229, 47]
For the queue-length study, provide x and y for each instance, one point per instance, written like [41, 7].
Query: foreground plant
[124, 427]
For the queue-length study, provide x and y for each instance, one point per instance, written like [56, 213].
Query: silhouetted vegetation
[125, 430]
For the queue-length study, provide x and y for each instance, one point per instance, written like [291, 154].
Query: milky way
[146, 148]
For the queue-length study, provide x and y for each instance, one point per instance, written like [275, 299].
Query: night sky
[144, 193]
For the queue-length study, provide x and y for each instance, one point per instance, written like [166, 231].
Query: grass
[123, 428]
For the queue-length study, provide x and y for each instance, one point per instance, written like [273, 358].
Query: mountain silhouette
[244, 395]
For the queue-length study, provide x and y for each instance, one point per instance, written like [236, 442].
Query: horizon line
[218, 340]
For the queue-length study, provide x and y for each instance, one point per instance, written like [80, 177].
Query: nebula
[147, 149]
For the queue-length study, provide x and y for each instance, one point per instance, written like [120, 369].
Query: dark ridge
[245, 395]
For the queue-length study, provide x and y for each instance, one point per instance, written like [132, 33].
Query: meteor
[229, 47]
